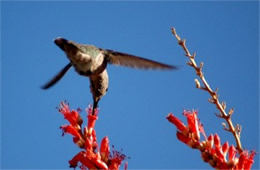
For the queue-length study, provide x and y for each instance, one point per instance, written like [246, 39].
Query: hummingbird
[92, 61]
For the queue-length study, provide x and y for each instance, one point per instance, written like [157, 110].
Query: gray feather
[128, 60]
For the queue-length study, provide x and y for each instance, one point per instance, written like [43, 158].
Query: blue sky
[225, 36]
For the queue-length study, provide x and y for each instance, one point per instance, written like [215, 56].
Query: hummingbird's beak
[60, 42]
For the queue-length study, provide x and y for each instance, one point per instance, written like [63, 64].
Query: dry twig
[214, 95]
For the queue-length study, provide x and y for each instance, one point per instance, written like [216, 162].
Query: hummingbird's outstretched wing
[55, 79]
[129, 60]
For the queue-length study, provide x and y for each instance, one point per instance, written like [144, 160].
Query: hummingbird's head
[60, 42]
[64, 44]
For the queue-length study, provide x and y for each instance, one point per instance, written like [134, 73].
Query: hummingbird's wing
[129, 60]
[55, 79]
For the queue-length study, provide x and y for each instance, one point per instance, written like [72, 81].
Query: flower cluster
[90, 157]
[217, 155]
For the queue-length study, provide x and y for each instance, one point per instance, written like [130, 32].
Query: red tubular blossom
[242, 160]
[211, 149]
[100, 164]
[187, 140]
[211, 141]
[177, 122]
[232, 153]
[88, 159]
[105, 149]
[88, 144]
[81, 157]
[70, 129]
[225, 147]
[94, 139]
[250, 160]
[246, 161]
[72, 116]
[193, 122]
[94, 158]
[183, 138]
[91, 121]
[217, 142]
[219, 153]
[91, 157]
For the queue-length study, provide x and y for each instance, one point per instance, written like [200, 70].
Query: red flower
[105, 149]
[250, 160]
[88, 144]
[232, 153]
[193, 123]
[189, 134]
[211, 149]
[217, 140]
[225, 147]
[95, 159]
[245, 160]
[72, 116]
[210, 141]
[90, 158]
[70, 129]
[183, 138]
[219, 153]
[177, 122]
[81, 157]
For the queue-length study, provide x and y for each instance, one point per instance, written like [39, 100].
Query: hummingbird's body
[92, 61]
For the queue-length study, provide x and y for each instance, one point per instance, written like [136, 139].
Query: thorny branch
[214, 95]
